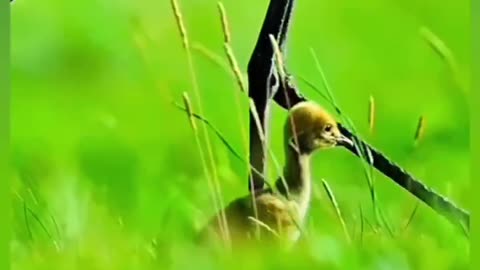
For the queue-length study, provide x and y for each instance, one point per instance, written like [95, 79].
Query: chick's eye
[328, 128]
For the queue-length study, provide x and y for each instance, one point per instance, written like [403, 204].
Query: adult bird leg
[264, 83]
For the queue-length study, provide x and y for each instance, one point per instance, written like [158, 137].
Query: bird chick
[278, 216]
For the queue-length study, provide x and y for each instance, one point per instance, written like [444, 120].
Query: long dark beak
[342, 140]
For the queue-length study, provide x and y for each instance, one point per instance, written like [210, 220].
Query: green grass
[107, 174]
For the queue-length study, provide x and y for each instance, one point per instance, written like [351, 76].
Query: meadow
[106, 170]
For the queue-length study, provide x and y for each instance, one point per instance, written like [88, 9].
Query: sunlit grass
[107, 172]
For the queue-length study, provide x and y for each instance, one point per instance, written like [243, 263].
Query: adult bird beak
[344, 141]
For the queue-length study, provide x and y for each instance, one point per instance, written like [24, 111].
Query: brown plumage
[279, 215]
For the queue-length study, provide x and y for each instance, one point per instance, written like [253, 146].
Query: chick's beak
[344, 141]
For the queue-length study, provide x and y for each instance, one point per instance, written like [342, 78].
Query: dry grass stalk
[213, 178]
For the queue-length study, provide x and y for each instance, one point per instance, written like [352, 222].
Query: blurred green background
[107, 174]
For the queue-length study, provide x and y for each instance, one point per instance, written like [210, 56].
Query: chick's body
[273, 218]
[278, 216]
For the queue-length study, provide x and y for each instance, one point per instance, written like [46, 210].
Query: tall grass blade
[213, 176]
[335, 206]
